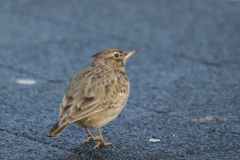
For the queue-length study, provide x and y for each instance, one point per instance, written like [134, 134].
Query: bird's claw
[102, 142]
[91, 137]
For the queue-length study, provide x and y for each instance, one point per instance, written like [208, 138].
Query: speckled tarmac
[187, 67]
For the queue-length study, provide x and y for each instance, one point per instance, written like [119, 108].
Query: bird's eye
[116, 55]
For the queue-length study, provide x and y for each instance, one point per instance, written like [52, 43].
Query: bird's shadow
[87, 151]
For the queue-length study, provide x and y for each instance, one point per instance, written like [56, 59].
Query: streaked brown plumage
[96, 95]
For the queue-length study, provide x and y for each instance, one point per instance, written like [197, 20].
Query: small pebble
[154, 140]
[26, 81]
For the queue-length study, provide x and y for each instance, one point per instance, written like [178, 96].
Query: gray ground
[187, 67]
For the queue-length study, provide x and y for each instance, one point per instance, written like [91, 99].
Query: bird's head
[112, 57]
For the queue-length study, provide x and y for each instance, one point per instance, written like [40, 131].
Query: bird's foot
[91, 137]
[101, 141]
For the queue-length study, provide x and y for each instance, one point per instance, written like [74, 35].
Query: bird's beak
[130, 54]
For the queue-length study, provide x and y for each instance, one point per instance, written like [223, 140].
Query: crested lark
[96, 95]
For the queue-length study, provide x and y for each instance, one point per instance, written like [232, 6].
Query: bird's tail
[56, 130]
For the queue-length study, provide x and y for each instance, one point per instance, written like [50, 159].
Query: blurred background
[187, 67]
[40, 33]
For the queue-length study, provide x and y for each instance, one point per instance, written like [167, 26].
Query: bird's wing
[92, 91]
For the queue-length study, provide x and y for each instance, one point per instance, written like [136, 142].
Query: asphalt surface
[187, 67]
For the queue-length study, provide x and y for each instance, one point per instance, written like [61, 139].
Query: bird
[95, 96]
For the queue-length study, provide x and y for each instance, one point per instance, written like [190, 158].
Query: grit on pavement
[187, 68]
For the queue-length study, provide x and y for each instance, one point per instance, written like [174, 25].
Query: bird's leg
[101, 141]
[90, 136]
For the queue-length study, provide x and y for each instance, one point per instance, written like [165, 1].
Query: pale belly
[98, 120]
